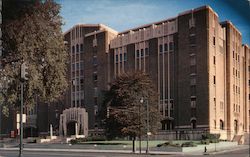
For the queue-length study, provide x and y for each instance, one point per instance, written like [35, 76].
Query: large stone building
[197, 63]
[200, 69]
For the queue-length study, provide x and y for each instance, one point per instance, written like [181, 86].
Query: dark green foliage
[81, 140]
[188, 144]
[206, 141]
[168, 143]
[32, 34]
[126, 115]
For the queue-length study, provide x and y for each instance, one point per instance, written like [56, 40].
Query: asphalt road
[238, 153]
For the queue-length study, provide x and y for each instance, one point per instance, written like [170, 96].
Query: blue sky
[125, 14]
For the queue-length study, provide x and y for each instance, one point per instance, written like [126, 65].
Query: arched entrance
[71, 128]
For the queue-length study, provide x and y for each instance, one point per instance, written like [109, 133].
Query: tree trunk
[134, 146]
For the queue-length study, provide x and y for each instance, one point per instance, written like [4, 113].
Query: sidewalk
[120, 151]
[240, 147]
[91, 151]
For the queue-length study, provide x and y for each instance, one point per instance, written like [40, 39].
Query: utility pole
[24, 78]
[147, 150]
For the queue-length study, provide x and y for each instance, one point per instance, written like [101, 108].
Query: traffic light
[24, 71]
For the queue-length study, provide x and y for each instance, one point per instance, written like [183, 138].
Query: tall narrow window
[214, 41]
[125, 56]
[160, 48]
[214, 60]
[81, 47]
[116, 58]
[120, 57]
[166, 47]
[77, 48]
[142, 52]
[73, 49]
[146, 52]
[137, 53]
[193, 60]
[171, 46]
[214, 80]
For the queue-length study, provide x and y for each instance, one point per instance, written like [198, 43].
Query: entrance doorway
[71, 128]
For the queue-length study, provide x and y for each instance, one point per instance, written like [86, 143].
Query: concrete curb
[91, 151]
[228, 150]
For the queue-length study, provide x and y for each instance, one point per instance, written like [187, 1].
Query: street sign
[18, 118]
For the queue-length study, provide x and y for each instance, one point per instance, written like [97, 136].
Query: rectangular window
[214, 60]
[146, 52]
[81, 65]
[77, 48]
[214, 102]
[120, 57]
[77, 66]
[137, 53]
[214, 41]
[142, 52]
[95, 76]
[191, 22]
[193, 103]
[95, 60]
[166, 47]
[95, 92]
[171, 46]
[193, 69]
[193, 81]
[193, 60]
[193, 90]
[125, 56]
[233, 54]
[214, 80]
[192, 40]
[233, 71]
[94, 42]
[81, 81]
[160, 47]
[116, 58]
[81, 47]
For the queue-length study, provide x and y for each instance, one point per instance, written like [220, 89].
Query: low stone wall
[178, 135]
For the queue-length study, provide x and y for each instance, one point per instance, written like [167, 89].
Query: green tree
[33, 37]
[126, 115]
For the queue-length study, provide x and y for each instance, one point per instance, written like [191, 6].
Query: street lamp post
[24, 78]
[21, 123]
[147, 148]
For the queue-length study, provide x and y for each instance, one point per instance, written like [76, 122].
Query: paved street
[238, 153]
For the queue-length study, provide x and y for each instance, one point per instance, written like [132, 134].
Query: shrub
[207, 141]
[188, 144]
[210, 136]
[168, 143]
[81, 140]
[213, 140]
